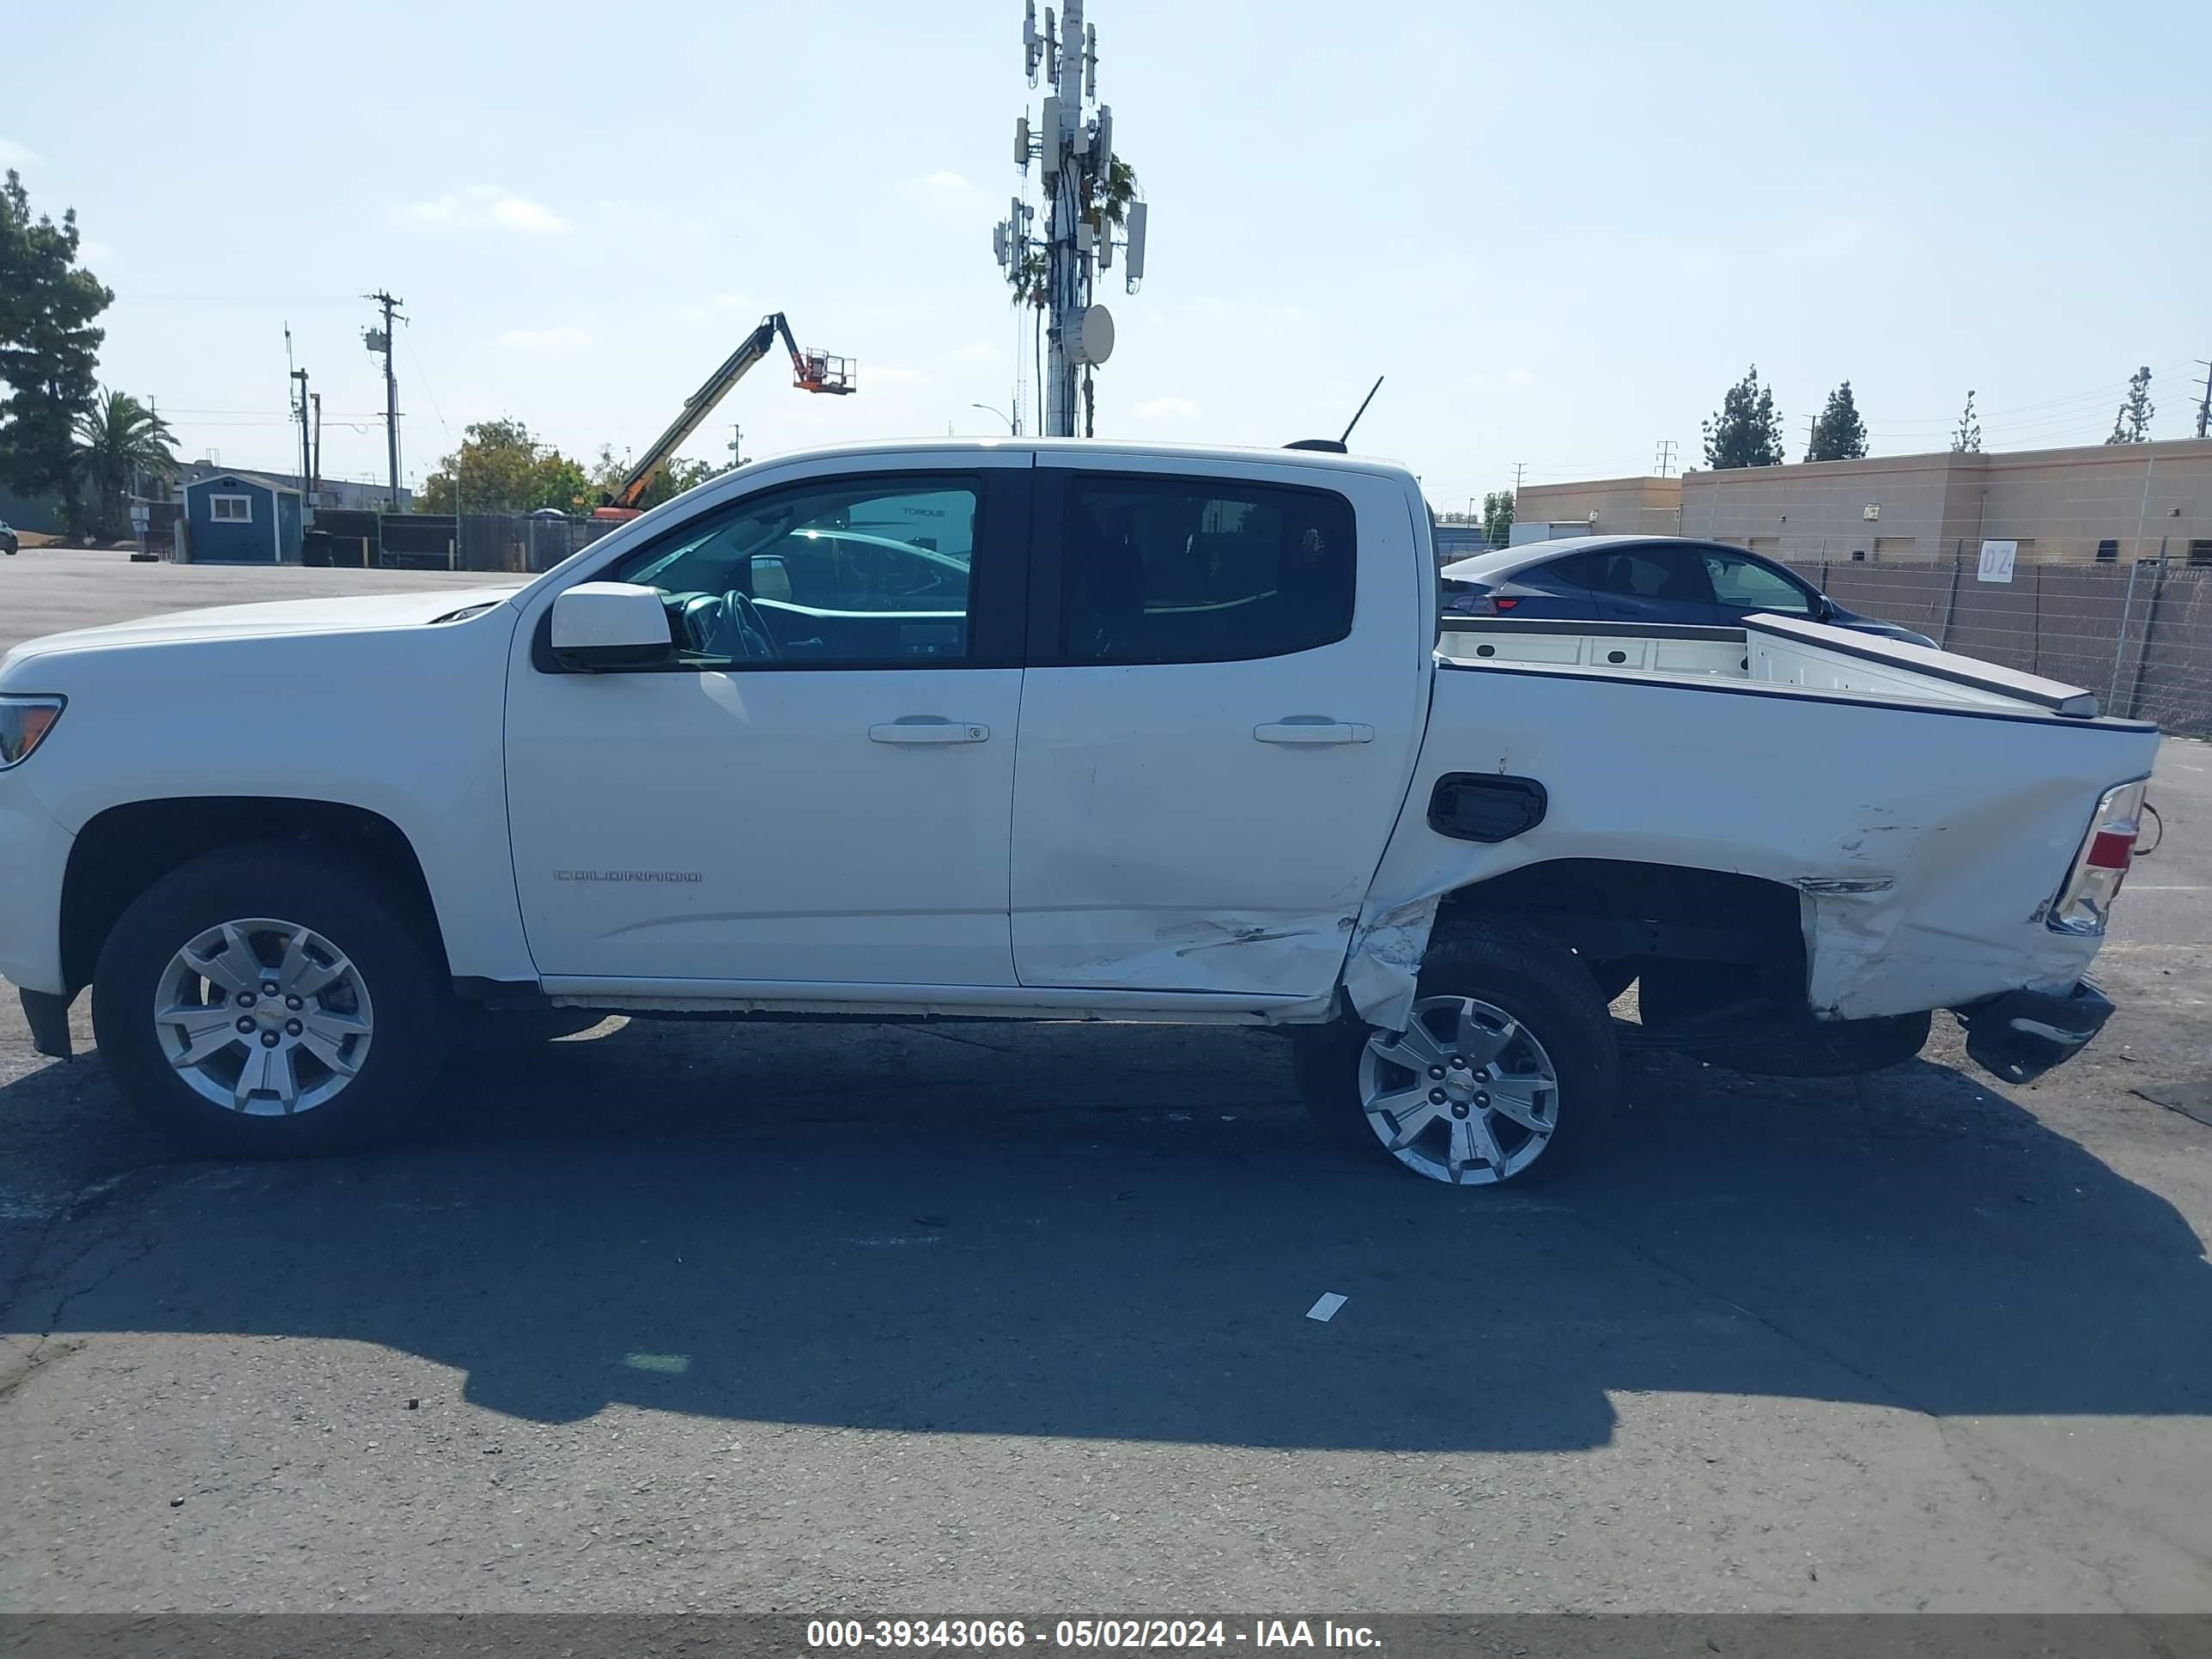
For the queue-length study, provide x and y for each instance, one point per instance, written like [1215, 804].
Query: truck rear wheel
[261, 1002]
[1722, 1014]
[1506, 1071]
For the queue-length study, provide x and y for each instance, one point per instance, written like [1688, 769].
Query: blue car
[1637, 578]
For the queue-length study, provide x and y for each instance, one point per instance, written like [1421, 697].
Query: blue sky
[1559, 230]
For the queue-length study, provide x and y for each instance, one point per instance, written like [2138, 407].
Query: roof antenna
[1336, 445]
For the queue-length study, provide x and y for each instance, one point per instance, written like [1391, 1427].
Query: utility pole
[380, 339]
[1519, 467]
[737, 445]
[2204, 409]
[315, 465]
[1666, 458]
[1075, 164]
[306, 448]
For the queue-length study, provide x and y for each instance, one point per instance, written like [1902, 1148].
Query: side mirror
[597, 626]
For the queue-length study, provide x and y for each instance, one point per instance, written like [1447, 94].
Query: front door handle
[1313, 729]
[909, 729]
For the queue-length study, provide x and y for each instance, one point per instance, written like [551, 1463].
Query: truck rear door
[1228, 674]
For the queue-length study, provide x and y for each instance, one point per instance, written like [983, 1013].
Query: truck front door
[818, 787]
[1228, 674]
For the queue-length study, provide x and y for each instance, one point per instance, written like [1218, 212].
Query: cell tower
[1088, 199]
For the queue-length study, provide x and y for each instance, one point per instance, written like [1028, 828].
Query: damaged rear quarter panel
[1963, 826]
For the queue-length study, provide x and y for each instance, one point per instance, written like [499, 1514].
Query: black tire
[379, 932]
[1541, 984]
[1718, 1013]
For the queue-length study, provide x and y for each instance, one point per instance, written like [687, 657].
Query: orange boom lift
[810, 371]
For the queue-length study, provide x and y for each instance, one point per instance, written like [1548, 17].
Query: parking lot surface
[817, 1318]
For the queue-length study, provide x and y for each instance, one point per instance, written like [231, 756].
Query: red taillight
[2084, 904]
[1504, 604]
[2112, 849]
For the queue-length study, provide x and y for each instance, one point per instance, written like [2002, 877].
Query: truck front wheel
[1506, 1071]
[261, 1002]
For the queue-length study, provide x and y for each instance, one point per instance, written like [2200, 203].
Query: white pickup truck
[1040, 731]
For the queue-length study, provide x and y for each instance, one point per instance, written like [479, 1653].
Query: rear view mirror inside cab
[771, 577]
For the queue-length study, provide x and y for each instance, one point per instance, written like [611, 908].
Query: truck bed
[1926, 807]
[1766, 650]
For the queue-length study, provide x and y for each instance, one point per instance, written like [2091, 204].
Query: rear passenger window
[1169, 570]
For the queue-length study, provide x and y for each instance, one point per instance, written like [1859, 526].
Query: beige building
[2095, 504]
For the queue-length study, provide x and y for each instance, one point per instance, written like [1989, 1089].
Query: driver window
[1749, 587]
[849, 571]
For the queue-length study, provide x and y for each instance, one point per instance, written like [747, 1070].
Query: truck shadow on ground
[1104, 1232]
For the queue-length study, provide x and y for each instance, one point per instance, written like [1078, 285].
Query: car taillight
[1497, 603]
[2085, 903]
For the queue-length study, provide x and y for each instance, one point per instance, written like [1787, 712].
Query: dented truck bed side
[1924, 842]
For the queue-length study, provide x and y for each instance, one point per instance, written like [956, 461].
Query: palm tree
[1103, 202]
[118, 440]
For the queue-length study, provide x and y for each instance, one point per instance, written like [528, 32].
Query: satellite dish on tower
[1092, 338]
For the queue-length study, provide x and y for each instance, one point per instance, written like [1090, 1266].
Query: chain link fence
[522, 544]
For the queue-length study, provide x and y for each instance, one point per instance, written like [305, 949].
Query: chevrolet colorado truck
[1028, 730]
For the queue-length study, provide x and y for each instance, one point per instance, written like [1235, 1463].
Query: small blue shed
[242, 518]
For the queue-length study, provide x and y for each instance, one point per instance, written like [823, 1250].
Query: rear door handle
[910, 729]
[1311, 728]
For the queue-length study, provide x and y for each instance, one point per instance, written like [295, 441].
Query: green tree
[1968, 438]
[119, 441]
[1498, 517]
[1103, 199]
[49, 347]
[2132, 425]
[1839, 434]
[676, 475]
[500, 468]
[1748, 430]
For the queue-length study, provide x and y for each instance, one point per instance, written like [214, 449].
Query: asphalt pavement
[822, 1318]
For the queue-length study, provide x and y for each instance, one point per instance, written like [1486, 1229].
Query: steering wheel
[729, 627]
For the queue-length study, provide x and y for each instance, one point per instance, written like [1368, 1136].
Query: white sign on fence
[1997, 562]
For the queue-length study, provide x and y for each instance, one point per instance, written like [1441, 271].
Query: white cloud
[945, 196]
[1167, 409]
[883, 375]
[1517, 379]
[545, 342]
[13, 154]
[975, 352]
[488, 207]
[89, 251]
